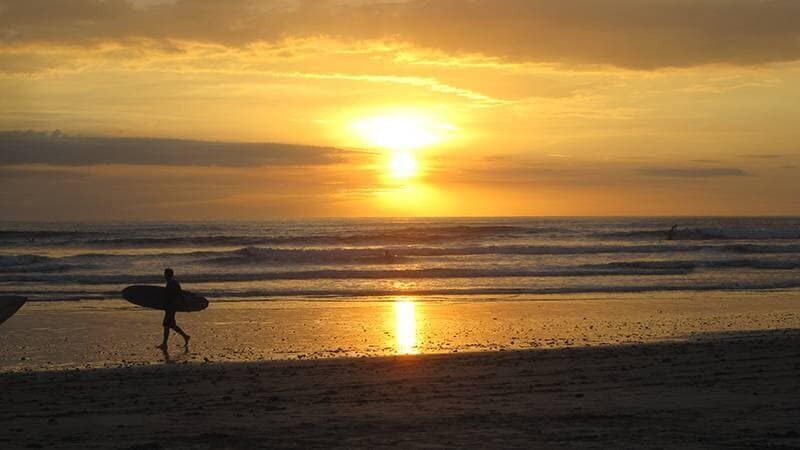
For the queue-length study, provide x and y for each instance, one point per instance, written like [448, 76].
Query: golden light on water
[405, 327]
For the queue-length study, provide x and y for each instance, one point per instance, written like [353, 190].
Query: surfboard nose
[127, 293]
[10, 304]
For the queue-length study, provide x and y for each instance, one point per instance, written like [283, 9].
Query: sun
[403, 134]
[403, 165]
[397, 132]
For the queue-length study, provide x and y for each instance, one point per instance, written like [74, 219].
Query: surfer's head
[168, 273]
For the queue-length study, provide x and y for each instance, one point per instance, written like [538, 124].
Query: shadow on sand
[713, 391]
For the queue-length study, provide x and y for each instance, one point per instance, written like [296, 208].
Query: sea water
[365, 259]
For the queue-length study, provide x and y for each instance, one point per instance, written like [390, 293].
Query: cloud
[49, 173]
[524, 170]
[628, 33]
[427, 83]
[763, 156]
[691, 172]
[17, 148]
[502, 169]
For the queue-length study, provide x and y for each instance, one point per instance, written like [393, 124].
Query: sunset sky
[257, 109]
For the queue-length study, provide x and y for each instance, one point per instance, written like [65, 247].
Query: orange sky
[251, 109]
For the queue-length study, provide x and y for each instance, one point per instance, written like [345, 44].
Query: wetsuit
[174, 295]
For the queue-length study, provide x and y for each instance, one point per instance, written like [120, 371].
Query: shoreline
[739, 292]
[724, 390]
[450, 294]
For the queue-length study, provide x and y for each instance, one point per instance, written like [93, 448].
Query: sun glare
[402, 134]
[398, 132]
[403, 165]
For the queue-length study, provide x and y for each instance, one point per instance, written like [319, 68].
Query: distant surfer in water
[390, 257]
[174, 295]
[671, 232]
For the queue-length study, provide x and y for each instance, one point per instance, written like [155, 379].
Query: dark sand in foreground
[739, 390]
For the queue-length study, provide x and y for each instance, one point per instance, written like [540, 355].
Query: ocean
[356, 259]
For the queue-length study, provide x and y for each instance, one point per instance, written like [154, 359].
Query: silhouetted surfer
[174, 295]
[671, 232]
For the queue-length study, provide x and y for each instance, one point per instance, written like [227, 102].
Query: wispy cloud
[692, 172]
[763, 156]
[427, 83]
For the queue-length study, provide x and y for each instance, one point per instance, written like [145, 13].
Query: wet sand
[726, 390]
[114, 333]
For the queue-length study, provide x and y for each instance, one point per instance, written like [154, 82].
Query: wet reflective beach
[53, 335]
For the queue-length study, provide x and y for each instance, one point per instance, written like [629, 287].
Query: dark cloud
[630, 33]
[691, 172]
[55, 149]
[8, 173]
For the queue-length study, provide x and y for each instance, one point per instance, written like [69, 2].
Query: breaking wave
[424, 256]
[262, 255]
[627, 268]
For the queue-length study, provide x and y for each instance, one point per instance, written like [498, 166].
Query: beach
[693, 370]
[114, 333]
[489, 332]
[728, 390]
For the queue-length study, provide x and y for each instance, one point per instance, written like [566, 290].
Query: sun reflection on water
[405, 326]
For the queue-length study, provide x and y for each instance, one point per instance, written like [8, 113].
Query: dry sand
[726, 390]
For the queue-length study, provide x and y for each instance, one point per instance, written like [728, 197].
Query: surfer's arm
[175, 293]
[178, 295]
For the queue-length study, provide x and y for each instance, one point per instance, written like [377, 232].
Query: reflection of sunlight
[406, 326]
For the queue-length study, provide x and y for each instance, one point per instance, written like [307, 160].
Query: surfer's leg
[186, 337]
[169, 322]
[163, 345]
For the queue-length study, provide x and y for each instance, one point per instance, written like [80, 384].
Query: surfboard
[9, 305]
[155, 297]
